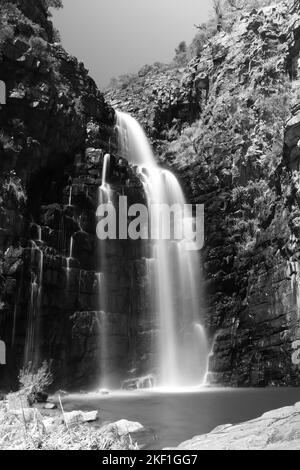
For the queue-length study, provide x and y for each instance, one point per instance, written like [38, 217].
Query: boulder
[274, 430]
[90, 416]
[125, 427]
[139, 434]
[73, 417]
[50, 406]
[76, 417]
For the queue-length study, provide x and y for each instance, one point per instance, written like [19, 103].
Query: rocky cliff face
[55, 129]
[227, 125]
[223, 125]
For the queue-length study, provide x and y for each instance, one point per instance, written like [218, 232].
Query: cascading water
[182, 346]
[70, 251]
[13, 335]
[33, 321]
[105, 190]
[69, 259]
[70, 196]
[104, 197]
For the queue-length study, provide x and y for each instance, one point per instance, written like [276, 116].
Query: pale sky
[2, 92]
[113, 37]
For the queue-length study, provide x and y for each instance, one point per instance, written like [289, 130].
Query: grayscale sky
[113, 37]
[2, 92]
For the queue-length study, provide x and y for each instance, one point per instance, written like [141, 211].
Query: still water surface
[176, 417]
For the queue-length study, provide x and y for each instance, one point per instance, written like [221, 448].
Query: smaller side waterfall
[69, 259]
[13, 335]
[104, 189]
[15, 317]
[70, 196]
[104, 197]
[102, 319]
[70, 250]
[34, 307]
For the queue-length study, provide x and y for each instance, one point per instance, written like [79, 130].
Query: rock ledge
[275, 430]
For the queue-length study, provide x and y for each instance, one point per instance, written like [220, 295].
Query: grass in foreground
[26, 430]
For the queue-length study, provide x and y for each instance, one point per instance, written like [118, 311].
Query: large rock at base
[90, 416]
[125, 427]
[274, 430]
[76, 417]
[139, 434]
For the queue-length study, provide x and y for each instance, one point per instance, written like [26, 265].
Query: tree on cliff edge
[54, 4]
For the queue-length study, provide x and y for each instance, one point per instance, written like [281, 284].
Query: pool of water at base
[179, 416]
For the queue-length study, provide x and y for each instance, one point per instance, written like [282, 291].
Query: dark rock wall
[55, 130]
[223, 124]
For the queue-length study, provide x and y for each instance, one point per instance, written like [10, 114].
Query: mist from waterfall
[182, 347]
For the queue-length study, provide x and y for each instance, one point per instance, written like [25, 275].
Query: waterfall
[104, 196]
[69, 259]
[182, 345]
[70, 196]
[105, 190]
[102, 321]
[33, 318]
[13, 335]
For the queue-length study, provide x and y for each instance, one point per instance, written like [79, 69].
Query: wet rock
[139, 383]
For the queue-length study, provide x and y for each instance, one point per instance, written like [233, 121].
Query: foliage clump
[181, 57]
[54, 4]
[35, 382]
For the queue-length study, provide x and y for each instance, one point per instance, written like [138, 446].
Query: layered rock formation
[55, 130]
[220, 124]
[223, 124]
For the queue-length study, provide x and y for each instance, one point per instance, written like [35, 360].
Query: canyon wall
[228, 125]
[56, 128]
